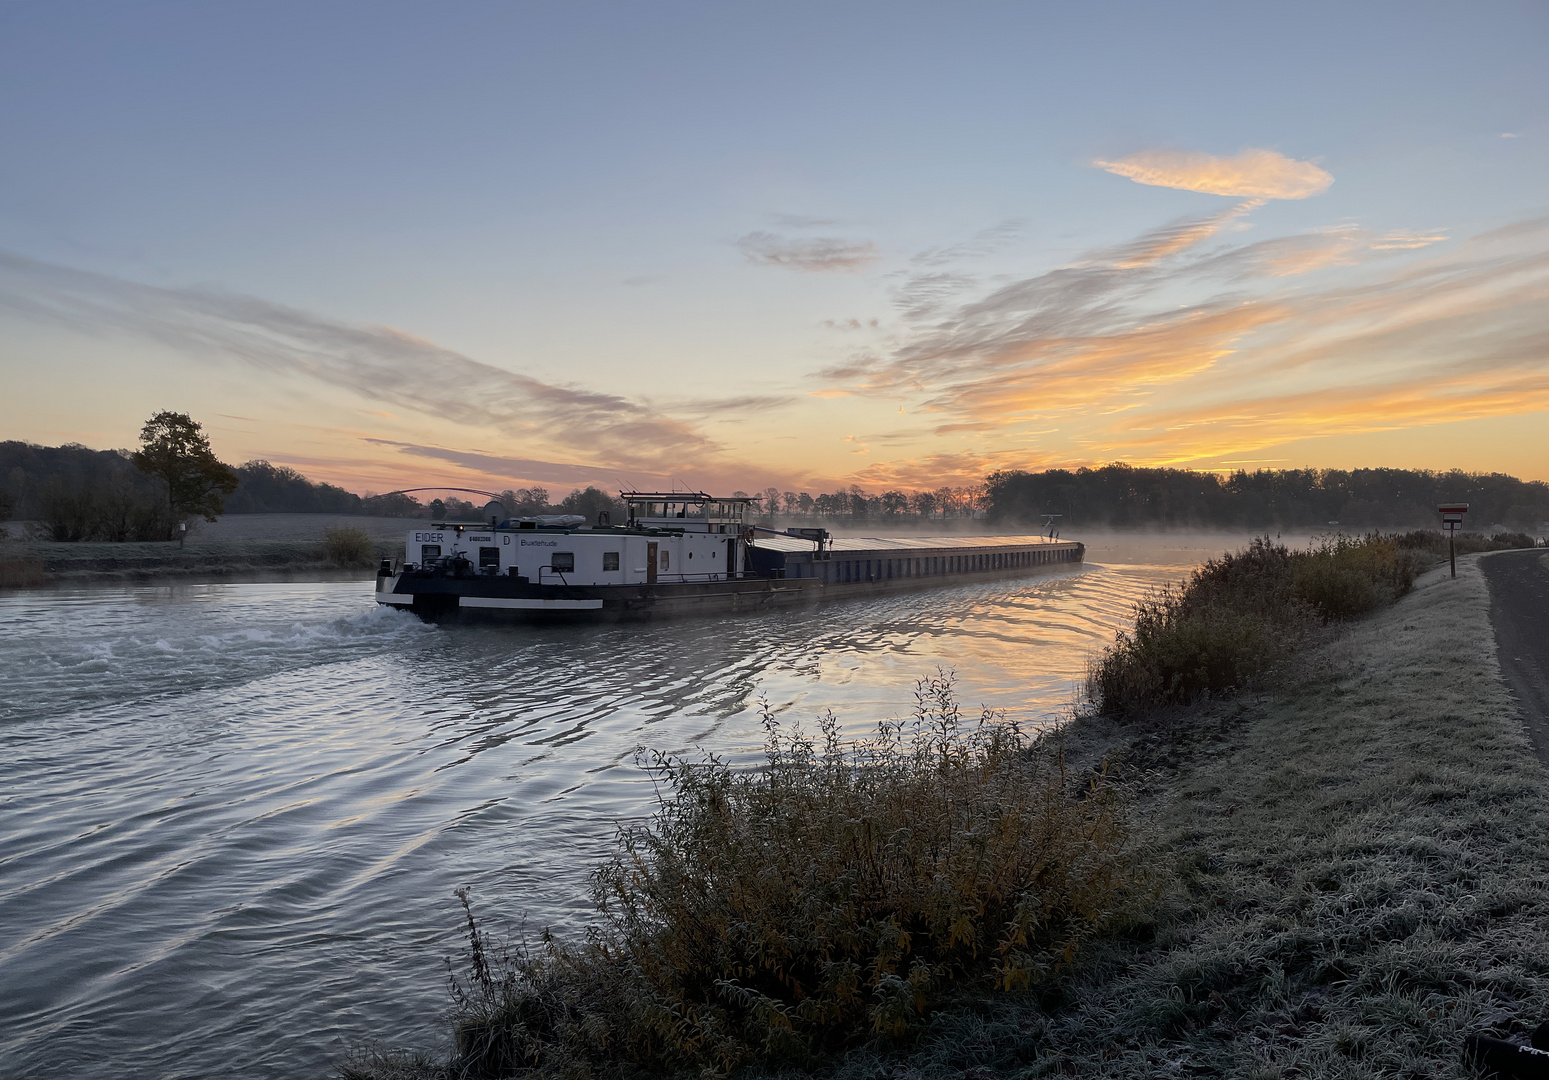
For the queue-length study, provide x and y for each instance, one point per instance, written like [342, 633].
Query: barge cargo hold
[680, 554]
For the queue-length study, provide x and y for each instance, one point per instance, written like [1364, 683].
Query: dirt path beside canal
[1519, 612]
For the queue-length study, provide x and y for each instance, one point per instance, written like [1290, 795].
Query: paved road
[1519, 609]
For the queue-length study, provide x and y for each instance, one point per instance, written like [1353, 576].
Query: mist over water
[231, 816]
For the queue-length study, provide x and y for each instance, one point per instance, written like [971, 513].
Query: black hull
[503, 599]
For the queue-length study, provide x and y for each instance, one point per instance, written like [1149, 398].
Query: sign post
[1452, 521]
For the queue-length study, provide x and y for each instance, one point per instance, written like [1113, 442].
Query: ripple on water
[233, 814]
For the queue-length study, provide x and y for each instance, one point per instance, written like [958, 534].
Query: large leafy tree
[174, 447]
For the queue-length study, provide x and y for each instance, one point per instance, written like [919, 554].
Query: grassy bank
[1349, 868]
[37, 564]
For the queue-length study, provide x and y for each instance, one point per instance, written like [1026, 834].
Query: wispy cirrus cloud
[1406, 240]
[377, 363]
[984, 242]
[1152, 247]
[1252, 174]
[817, 255]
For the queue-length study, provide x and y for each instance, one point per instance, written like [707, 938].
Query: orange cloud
[1254, 174]
[1189, 434]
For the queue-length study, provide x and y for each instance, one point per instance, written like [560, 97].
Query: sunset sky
[809, 245]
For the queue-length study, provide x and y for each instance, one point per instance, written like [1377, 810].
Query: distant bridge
[470, 491]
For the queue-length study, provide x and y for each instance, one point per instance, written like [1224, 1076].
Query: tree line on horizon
[1123, 496]
[77, 493]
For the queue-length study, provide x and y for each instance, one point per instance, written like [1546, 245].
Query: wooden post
[1452, 521]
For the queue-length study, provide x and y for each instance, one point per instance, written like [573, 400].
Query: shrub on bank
[1345, 577]
[833, 896]
[1239, 616]
[349, 546]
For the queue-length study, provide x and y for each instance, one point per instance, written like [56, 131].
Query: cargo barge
[678, 554]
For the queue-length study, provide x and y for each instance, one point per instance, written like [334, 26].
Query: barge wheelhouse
[678, 553]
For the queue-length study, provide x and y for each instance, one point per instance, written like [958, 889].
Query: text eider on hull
[680, 553]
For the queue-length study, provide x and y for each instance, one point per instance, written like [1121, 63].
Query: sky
[727, 246]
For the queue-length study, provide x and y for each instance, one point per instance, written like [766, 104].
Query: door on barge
[650, 562]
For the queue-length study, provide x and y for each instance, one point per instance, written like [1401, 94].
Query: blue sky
[735, 245]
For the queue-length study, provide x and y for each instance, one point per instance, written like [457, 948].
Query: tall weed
[833, 896]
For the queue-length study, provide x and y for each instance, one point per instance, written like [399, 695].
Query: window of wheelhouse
[562, 562]
[430, 552]
[489, 558]
[610, 561]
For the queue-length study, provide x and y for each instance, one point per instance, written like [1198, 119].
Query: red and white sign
[1452, 513]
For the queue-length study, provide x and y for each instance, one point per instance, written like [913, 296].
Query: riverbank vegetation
[1242, 615]
[41, 481]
